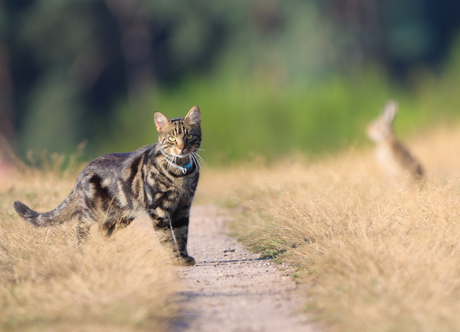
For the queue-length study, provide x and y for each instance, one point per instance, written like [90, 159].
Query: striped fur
[114, 188]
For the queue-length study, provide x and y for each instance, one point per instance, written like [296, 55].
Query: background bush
[271, 76]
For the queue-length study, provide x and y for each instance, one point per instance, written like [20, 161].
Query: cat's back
[113, 164]
[117, 160]
[110, 160]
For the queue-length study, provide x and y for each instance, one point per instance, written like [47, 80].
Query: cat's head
[181, 136]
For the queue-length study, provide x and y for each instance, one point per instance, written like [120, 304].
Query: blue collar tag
[183, 169]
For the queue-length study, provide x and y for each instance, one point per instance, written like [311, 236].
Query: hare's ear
[389, 111]
[161, 121]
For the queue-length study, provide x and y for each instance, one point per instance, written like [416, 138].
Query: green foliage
[244, 115]
[271, 77]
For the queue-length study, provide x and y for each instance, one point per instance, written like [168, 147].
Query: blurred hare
[391, 154]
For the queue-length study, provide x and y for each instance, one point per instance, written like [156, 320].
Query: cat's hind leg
[82, 231]
[85, 221]
[110, 225]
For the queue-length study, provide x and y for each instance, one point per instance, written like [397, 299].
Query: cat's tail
[64, 212]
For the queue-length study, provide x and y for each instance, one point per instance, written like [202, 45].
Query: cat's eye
[189, 137]
[172, 138]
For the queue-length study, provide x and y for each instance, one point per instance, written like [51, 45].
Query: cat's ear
[161, 121]
[194, 115]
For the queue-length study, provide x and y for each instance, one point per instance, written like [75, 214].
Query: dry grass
[49, 283]
[377, 255]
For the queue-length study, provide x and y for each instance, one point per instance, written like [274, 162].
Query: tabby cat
[160, 179]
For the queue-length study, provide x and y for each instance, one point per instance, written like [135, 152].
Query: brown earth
[232, 289]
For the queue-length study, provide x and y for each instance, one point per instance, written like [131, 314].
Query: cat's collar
[184, 169]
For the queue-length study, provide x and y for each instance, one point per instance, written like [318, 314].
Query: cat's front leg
[180, 222]
[162, 227]
[174, 239]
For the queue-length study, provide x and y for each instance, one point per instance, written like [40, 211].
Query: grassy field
[49, 283]
[376, 254]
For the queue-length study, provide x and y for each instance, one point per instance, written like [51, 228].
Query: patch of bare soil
[232, 289]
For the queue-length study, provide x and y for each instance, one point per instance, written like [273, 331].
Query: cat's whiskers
[201, 158]
[169, 163]
[192, 155]
[167, 158]
[172, 160]
[198, 159]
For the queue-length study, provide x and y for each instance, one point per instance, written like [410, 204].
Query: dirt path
[232, 289]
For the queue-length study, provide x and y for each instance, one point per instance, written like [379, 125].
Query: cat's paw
[185, 260]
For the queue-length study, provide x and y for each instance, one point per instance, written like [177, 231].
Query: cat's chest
[177, 186]
[181, 185]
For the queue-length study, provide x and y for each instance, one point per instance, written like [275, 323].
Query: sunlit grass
[376, 254]
[50, 283]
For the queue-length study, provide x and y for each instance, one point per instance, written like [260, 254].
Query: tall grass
[377, 255]
[49, 283]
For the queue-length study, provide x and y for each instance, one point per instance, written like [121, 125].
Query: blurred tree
[7, 133]
[6, 94]
[66, 69]
[361, 28]
[135, 41]
[66, 65]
